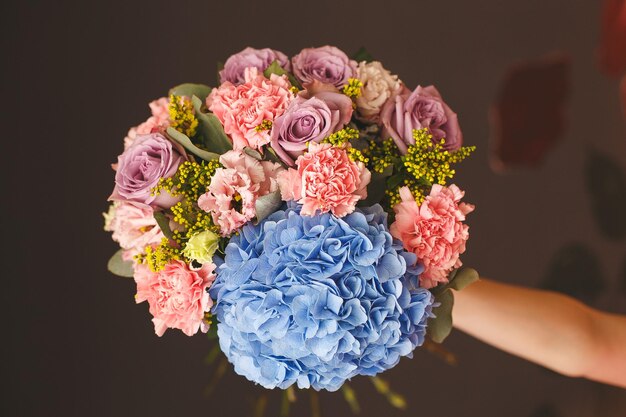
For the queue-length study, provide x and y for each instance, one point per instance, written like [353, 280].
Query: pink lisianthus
[434, 230]
[234, 189]
[158, 122]
[326, 180]
[133, 226]
[242, 109]
[177, 296]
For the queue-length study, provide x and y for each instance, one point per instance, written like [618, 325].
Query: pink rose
[141, 166]
[133, 226]
[231, 196]
[326, 180]
[434, 231]
[178, 296]
[242, 109]
[309, 119]
[326, 64]
[158, 122]
[406, 111]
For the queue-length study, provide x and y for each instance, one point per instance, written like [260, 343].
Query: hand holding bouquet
[303, 208]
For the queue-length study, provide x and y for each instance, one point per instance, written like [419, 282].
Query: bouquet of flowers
[301, 209]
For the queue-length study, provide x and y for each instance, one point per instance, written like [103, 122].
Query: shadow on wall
[524, 128]
[606, 185]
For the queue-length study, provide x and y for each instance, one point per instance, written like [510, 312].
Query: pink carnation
[434, 231]
[133, 226]
[243, 108]
[158, 122]
[177, 296]
[326, 179]
[234, 189]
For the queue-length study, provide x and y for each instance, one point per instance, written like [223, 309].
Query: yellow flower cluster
[353, 88]
[382, 155]
[356, 155]
[430, 161]
[265, 125]
[182, 115]
[426, 163]
[190, 182]
[417, 189]
[159, 256]
[342, 136]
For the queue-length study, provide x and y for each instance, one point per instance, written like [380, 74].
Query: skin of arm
[545, 327]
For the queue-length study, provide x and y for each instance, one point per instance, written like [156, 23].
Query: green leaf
[267, 204]
[462, 278]
[440, 327]
[186, 143]
[457, 280]
[164, 224]
[395, 180]
[190, 90]
[271, 156]
[376, 188]
[120, 267]
[275, 68]
[362, 55]
[210, 130]
[253, 153]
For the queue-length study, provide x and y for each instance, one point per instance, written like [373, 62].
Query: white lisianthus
[378, 86]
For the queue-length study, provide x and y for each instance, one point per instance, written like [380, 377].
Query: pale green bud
[202, 246]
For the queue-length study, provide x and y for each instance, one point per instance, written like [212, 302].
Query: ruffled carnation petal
[434, 231]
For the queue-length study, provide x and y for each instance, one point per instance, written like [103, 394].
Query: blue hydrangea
[314, 301]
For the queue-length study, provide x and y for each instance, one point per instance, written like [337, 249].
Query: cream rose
[378, 86]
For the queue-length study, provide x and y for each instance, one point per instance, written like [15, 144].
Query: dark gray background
[77, 75]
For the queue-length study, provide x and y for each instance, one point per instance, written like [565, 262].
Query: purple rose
[140, 167]
[423, 108]
[259, 58]
[327, 64]
[309, 120]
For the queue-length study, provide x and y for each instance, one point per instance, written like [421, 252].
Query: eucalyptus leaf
[119, 266]
[253, 153]
[210, 130]
[440, 327]
[164, 224]
[267, 204]
[186, 143]
[457, 280]
[362, 55]
[190, 90]
[462, 278]
[275, 68]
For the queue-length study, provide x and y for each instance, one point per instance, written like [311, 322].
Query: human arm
[547, 328]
